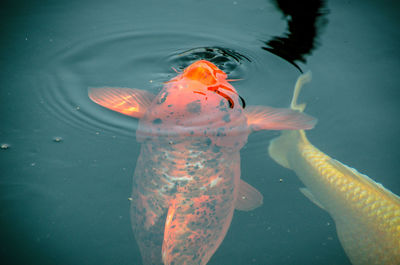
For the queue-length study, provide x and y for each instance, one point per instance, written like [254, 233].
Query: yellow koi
[367, 215]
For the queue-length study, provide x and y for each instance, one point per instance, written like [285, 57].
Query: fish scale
[367, 215]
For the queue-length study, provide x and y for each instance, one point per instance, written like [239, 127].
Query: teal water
[67, 164]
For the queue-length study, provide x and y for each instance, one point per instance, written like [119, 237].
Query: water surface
[67, 163]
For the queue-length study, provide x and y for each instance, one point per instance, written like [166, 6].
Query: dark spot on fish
[194, 106]
[198, 143]
[208, 142]
[222, 106]
[170, 105]
[216, 149]
[226, 118]
[163, 98]
[157, 121]
[191, 132]
[220, 131]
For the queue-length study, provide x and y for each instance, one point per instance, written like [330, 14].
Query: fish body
[367, 215]
[189, 167]
[187, 177]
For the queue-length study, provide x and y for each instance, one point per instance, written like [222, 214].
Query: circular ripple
[228, 60]
[127, 59]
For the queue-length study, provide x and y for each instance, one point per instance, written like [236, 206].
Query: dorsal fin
[367, 181]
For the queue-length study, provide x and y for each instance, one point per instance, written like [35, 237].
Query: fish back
[366, 214]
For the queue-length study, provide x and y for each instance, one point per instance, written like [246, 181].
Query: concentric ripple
[127, 59]
[228, 60]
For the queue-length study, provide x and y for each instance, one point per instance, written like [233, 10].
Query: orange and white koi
[187, 177]
[367, 215]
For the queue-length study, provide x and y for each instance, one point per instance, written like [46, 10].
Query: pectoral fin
[248, 197]
[306, 192]
[268, 118]
[128, 101]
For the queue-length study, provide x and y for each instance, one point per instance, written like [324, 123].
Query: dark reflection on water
[65, 202]
[305, 20]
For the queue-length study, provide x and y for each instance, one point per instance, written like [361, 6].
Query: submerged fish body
[367, 216]
[191, 199]
[187, 177]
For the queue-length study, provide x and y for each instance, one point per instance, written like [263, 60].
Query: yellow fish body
[367, 215]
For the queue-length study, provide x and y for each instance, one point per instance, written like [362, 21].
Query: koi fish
[187, 177]
[367, 215]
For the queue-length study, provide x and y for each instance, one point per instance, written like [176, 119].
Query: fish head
[204, 72]
[200, 102]
[202, 81]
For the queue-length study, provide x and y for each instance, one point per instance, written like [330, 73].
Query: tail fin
[280, 147]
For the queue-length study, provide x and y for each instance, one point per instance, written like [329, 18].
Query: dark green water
[67, 174]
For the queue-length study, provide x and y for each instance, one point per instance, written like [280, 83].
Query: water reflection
[305, 20]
